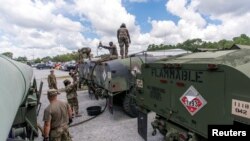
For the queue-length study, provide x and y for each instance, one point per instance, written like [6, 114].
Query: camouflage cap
[52, 92]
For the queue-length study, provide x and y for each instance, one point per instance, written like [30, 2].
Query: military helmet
[123, 25]
[66, 82]
[52, 92]
[110, 43]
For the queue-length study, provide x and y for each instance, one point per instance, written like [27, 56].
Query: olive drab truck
[190, 92]
[113, 80]
[19, 101]
[85, 70]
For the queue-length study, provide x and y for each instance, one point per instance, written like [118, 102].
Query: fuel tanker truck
[85, 70]
[192, 91]
[19, 101]
[113, 79]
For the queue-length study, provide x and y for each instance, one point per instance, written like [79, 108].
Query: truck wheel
[129, 106]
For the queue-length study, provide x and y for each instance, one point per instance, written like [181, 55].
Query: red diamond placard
[192, 100]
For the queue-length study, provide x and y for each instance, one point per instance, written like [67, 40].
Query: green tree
[22, 59]
[46, 59]
[37, 60]
[8, 54]
[242, 39]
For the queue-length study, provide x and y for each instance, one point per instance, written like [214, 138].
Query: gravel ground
[105, 127]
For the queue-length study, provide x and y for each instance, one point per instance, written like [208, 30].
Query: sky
[39, 28]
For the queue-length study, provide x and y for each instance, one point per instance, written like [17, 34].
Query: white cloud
[106, 16]
[193, 25]
[36, 25]
[187, 12]
[163, 28]
[224, 7]
[43, 28]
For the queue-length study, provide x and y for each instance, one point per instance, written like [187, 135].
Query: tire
[129, 106]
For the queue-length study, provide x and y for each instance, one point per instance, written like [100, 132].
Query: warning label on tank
[135, 71]
[241, 108]
[104, 75]
[192, 100]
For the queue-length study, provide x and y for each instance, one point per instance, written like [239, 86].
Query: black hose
[79, 123]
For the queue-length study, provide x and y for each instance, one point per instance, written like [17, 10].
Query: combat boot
[78, 115]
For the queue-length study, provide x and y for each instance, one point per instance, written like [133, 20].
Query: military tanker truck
[85, 70]
[19, 101]
[189, 93]
[114, 80]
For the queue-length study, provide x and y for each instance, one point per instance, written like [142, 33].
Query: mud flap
[110, 104]
[142, 124]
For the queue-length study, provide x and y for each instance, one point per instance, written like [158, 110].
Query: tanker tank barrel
[15, 81]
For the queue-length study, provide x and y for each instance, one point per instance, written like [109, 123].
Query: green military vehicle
[19, 101]
[85, 70]
[190, 92]
[114, 80]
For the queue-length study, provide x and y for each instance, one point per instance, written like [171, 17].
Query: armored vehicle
[190, 92]
[19, 101]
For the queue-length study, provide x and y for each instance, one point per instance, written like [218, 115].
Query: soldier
[73, 75]
[83, 51]
[123, 39]
[72, 96]
[57, 117]
[52, 80]
[112, 50]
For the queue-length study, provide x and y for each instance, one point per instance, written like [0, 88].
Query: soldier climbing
[84, 53]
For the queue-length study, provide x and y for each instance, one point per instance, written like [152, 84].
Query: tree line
[194, 44]
[190, 44]
[59, 58]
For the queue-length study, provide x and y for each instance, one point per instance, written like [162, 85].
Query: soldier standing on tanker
[71, 95]
[123, 39]
[52, 80]
[112, 50]
[57, 117]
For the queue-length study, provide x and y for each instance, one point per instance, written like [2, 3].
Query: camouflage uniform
[123, 39]
[57, 114]
[72, 97]
[73, 76]
[82, 52]
[112, 51]
[52, 81]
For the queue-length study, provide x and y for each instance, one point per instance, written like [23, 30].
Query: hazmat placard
[192, 100]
